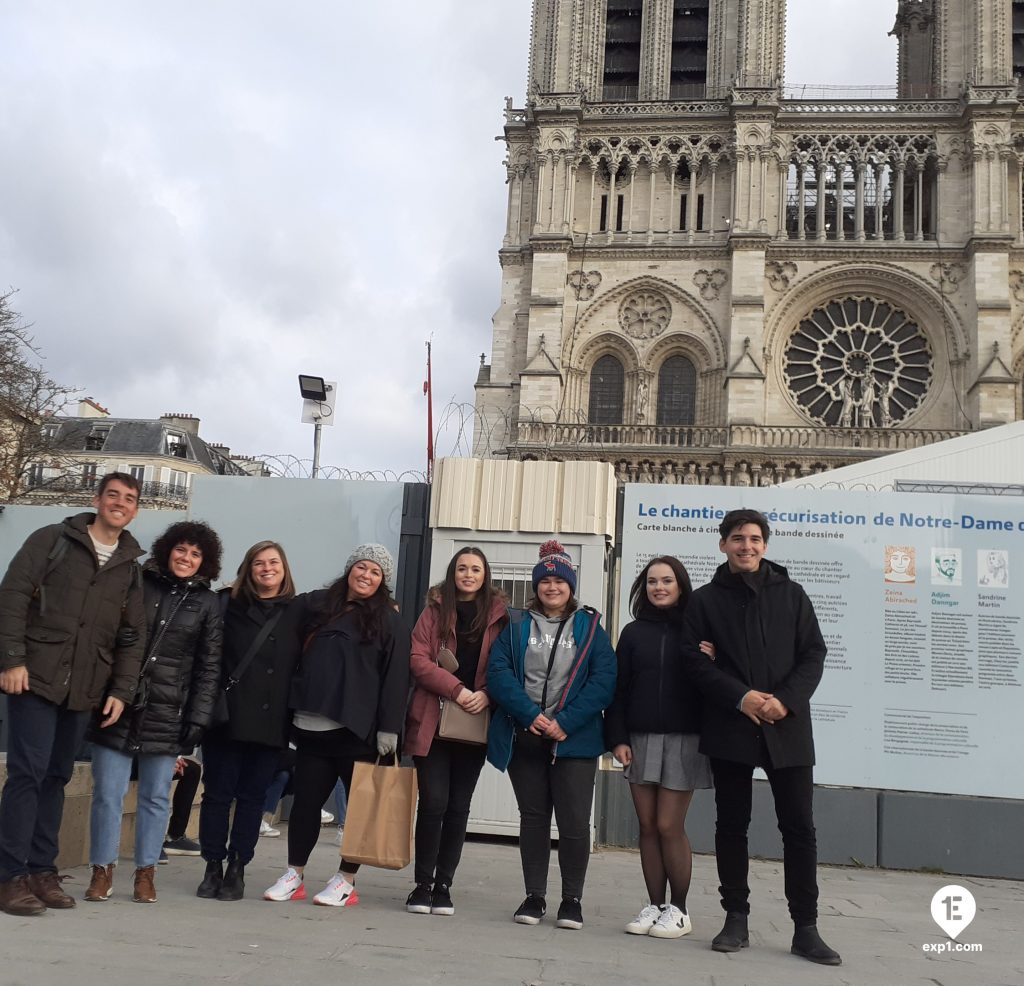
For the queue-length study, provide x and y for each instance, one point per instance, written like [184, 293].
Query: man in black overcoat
[768, 659]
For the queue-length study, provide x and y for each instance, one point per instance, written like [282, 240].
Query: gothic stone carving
[710, 283]
[858, 362]
[948, 276]
[780, 273]
[584, 283]
[645, 314]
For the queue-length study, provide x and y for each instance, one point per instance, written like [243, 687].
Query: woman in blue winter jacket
[551, 674]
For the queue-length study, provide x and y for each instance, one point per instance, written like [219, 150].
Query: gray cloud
[205, 199]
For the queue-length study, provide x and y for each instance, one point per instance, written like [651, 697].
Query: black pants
[447, 777]
[565, 787]
[321, 759]
[793, 792]
[42, 741]
[183, 797]
[240, 773]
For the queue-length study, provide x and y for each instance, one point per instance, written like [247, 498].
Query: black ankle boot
[233, 887]
[212, 880]
[733, 935]
[807, 944]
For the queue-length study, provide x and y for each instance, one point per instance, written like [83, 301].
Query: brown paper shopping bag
[379, 822]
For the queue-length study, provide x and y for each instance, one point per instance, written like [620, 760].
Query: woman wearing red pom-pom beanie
[552, 674]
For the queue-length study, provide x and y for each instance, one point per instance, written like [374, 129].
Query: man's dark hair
[124, 478]
[739, 518]
[190, 532]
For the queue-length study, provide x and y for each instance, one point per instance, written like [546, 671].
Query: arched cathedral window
[677, 392]
[607, 385]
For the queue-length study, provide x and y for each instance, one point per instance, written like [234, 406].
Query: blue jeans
[111, 771]
[42, 741]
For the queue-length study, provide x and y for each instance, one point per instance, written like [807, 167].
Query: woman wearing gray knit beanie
[349, 699]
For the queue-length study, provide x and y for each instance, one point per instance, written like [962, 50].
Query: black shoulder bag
[221, 715]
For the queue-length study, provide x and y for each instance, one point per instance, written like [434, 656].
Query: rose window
[645, 314]
[858, 362]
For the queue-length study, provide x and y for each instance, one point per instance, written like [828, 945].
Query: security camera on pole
[318, 398]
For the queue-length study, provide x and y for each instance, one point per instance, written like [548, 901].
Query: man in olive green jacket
[72, 631]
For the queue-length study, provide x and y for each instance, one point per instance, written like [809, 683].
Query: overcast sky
[203, 199]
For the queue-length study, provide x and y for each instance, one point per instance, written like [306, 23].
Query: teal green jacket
[588, 692]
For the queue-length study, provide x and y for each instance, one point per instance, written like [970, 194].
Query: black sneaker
[570, 914]
[182, 846]
[419, 901]
[531, 910]
[163, 858]
[441, 901]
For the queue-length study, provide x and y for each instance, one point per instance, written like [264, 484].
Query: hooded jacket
[766, 637]
[60, 613]
[587, 694]
[181, 672]
[431, 682]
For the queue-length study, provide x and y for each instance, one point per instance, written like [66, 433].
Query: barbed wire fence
[462, 430]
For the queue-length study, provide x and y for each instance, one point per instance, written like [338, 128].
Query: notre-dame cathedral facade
[706, 281]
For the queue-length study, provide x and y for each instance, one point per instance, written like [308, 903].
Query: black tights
[665, 854]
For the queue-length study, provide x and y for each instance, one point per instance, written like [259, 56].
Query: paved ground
[878, 920]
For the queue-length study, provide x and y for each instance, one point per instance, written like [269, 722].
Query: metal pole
[316, 447]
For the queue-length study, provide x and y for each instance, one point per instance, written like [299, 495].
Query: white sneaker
[338, 893]
[673, 923]
[268, 831]
[288, 887]
[644, 921]
[338, 837]
[325, 817]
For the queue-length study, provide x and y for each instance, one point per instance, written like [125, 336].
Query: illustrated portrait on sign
[900, 563]
[947, 566]
[994, 569]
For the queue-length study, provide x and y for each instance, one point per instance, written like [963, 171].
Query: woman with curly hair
[450, 645]
[349, 699]
[173, 703]
[653, 728]
[263, 633]
[552, 675]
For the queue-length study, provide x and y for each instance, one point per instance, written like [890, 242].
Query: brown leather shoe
[145, 888]
[17, 898]
[101, 886]
[46, 886]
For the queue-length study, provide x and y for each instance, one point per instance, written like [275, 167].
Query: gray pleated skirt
[669, 760]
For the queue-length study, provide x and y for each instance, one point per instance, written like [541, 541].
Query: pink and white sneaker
[338, 893]
[288, 887]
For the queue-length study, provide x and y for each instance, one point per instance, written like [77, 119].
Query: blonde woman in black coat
[240, 756]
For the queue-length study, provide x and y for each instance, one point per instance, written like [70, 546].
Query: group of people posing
[148, 662]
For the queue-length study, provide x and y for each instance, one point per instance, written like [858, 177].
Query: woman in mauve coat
[464, 615]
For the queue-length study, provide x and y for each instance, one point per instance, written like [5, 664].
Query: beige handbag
[460, 726]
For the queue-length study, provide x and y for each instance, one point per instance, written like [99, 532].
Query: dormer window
[97, 438]
[176, 445]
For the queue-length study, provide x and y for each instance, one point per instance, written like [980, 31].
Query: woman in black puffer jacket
[176, 693]
[652, 728]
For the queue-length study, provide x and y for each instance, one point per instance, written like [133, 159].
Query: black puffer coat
[181, 673]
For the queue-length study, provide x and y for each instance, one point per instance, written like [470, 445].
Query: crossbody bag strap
[254, 647]
[551, 664]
